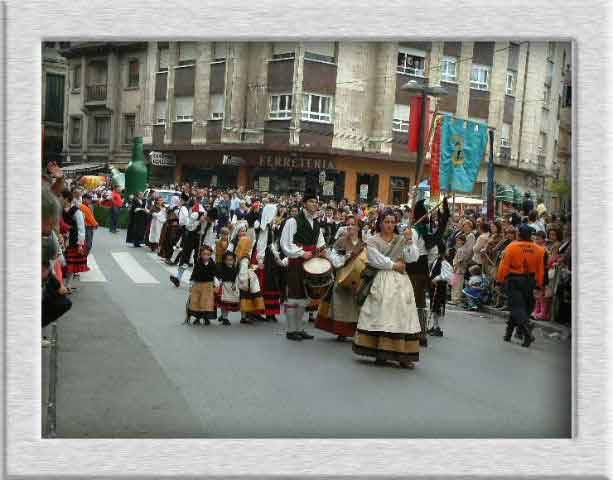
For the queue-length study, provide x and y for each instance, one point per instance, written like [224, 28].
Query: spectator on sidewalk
[117, 203]
[90, 220]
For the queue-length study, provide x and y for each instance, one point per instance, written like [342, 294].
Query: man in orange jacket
[90, 220]
[523, 269]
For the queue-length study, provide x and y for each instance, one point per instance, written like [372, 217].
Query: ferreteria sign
[163, 159]
[284, 161]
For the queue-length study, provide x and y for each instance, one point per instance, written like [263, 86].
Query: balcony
[540, 163]
[95, 93]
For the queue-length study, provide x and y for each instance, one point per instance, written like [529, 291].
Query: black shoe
[295, 336]
[341, 338]
[207, 321]
[528, 337]
[305, 335]
[508, 332]
[225, 321]
[196, 322]
[175, 281]
[379, 362]
[423, 342]
[437, 332]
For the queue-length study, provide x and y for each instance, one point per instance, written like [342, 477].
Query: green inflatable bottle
[136, 174]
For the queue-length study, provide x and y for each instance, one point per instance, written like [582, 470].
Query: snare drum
[317, 277]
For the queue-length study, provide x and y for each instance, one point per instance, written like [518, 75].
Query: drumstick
[429, 212]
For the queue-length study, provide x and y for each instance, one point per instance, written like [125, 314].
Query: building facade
[53, 101]
[331, 116]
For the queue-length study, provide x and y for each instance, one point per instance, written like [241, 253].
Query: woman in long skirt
[170, 231]
[76, 252]
[138, 221]
[388, 326]
[338, 312]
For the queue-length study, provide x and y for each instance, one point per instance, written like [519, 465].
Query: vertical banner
[435, 161]
[490, 181]
[462, 147]
[414, 123]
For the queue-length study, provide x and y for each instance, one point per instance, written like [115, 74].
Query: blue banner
[462, 147]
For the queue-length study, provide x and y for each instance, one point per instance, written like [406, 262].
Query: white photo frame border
[28, 23]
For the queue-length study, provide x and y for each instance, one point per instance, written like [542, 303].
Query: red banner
[435, 161]
[414, 123]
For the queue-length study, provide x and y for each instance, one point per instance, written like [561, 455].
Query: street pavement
[126, 367]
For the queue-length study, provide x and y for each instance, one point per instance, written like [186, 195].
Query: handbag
[368, 276]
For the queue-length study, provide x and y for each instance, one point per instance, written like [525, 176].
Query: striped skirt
[75, 261]
[272, 298]
[395, 347]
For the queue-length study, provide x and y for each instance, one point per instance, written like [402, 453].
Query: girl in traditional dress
[202, 292]
[158, 219]
[229, 297]
[339, 311]
[76, 252]
[388, 326]
[251, 300]
[221, 245]
[270, 270]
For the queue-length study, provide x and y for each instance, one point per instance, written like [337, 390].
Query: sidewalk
[48, 376]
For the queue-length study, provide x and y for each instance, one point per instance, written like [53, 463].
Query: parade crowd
[381, 274]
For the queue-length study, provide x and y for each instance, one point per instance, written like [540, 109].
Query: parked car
[165, 194]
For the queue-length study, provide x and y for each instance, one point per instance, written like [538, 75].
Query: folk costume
[417, 269]
[229, 296]
[75, 261]
[440, 276]
[388, 325]
[301, 234]
[137, 222]
[170, 232]
[202, 292]
[251, 300]
[270, 275]
[338, 313]
[158, 218]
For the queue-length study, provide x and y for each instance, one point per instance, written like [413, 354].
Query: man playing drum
[301, 236]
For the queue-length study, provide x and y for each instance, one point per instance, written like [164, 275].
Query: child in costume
[201, 303]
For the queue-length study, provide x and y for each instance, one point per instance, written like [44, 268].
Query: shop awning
[82, 169]
[468, 201]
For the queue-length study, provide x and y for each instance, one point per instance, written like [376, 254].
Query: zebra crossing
[140, 269]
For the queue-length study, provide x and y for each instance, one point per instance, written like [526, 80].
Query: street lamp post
[433, 91]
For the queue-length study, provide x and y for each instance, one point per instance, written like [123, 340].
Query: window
[316, 107]
[283, 50]
[184, 108]
[75, 131]
[546, 95]
[549, 76]
[216, 106]
[129, 125]
[76, 78]
[281, 106]
[505, 135]
[49, 44]
[160, 112]
[510, 89]
[163, 58]
[188, 52]
[101, 130]
[54, 98]
[411, 62]
[480, 77]
[219, 51]
[133, 73]
[449, 69]
[319, 51]
[542, 146]
[401, 118]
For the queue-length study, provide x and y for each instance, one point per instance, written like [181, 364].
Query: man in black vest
[299, 238]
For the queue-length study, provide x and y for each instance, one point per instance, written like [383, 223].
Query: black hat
[185, 197]
[212, 213]
[308, 195]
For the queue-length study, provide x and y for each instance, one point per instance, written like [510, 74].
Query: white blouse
[381, 262]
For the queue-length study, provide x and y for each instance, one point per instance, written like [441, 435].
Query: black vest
[73, 235]
[305, 234]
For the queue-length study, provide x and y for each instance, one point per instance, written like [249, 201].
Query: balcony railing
[96, 93]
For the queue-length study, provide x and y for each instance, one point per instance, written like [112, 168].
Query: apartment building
[331, 116]
[52, 101]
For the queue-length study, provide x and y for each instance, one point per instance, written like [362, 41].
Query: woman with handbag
[388, 325]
